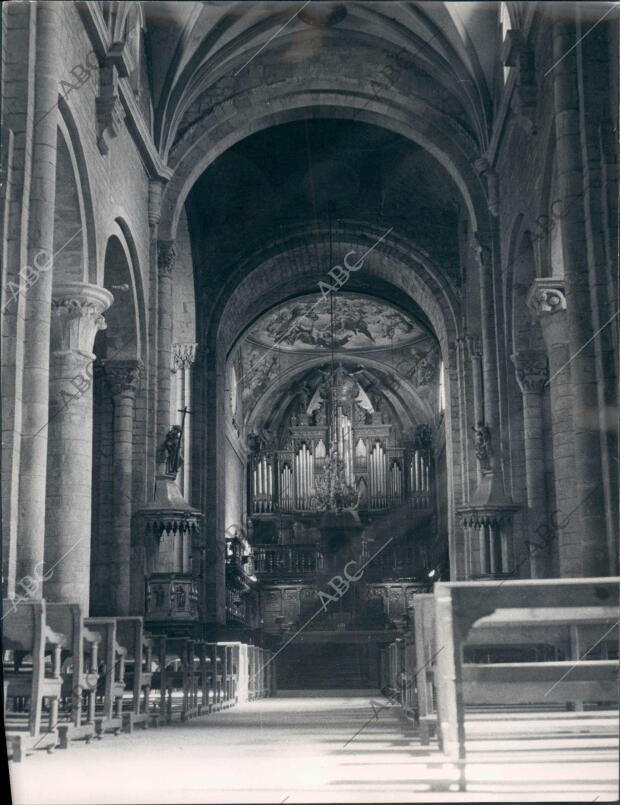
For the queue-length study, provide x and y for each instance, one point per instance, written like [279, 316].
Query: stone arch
[278, 272]
[396, 262]
[119, 425]
[413, 120]
[419, 411]
[74, 194]
[70, 262]
[525, 349]
[123, 337]
[523, 328]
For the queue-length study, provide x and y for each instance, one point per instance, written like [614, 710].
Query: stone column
[474, 346]
[547, 301]
[567, 76]
[77, 309]
[532, 375]
[46, 69]
[490, 402]
[183, 357]
[123, 378]
[166, 256]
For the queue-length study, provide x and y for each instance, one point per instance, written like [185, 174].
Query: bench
[79, 677]
[111, 687]
[26, 632]
[138, 673]
[159, 712]
[460, 607]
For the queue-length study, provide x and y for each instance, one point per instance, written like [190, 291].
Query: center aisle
[307, 749]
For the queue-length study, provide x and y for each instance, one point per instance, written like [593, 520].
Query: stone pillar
[166, 256]
[77, 309]
[547, 301]
[46, 70]
[532, 376]
[123, 378]
[474, 346]
[589, 487]
[183, 357]
[490, 402]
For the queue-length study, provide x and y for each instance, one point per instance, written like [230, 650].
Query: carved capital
[77, 316]
[532, 370]
[546, 296]
[123, 377]
[183, 355]
[166, 256]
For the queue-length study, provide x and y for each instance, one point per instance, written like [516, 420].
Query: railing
[286, 560]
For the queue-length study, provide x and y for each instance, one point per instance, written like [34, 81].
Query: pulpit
[168, 549]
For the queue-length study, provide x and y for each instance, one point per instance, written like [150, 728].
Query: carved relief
[546, 296]
[532, 370]
[166, 256]
[123, 377]
[482, 445]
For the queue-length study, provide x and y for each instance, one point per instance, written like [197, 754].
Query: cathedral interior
[309, 399]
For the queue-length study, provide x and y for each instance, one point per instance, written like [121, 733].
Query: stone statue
[482, 445]
[171, 452]
[159, 597]
[423, 438]
[180, 596]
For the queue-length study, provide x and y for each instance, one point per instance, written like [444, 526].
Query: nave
[330, 747]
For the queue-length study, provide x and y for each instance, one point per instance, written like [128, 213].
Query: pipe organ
[284, 480]
[262, 484]
[420, 477]
[287, 489]
[295, 477]
[304, 478]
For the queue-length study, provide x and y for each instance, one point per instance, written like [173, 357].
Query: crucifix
[184, 411]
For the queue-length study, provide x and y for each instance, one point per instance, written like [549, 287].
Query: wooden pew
[424, 633]
[181, 678]
[111, 688]
[26, 631]
[138, 673]
[81, 649]
[253, 668]
[460, 605]
[204, 672]
[159, 681]
[214, 652]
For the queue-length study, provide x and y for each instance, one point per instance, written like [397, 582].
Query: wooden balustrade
[286, 560]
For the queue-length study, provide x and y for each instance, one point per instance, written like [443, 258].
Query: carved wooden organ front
[382, 474]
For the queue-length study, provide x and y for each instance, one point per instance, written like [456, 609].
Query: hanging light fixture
[332, 490]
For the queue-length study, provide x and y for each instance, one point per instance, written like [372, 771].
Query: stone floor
[327, 749]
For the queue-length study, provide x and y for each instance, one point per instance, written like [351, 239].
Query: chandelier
[332, 491]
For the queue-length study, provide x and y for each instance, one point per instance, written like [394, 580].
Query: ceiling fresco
[359, 324]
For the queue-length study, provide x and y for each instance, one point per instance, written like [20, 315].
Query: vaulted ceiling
[194, 44]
